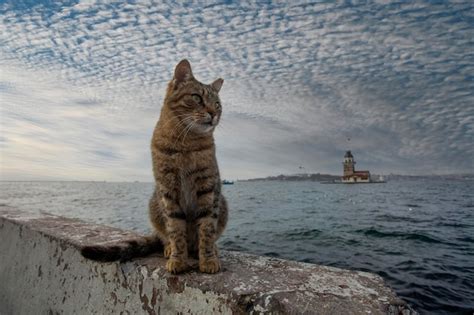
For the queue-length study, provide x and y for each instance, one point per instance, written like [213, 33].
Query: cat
[187, 209]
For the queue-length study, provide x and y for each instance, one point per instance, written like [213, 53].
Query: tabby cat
[187, 208]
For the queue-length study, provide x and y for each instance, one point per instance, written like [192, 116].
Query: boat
[227, 182]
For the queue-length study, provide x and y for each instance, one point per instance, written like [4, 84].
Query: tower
[348, 164]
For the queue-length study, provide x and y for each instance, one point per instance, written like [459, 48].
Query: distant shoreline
[296, 177]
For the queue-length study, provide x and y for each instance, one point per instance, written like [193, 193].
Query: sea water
[417, 234]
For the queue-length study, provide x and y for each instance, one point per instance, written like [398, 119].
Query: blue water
[417, 234]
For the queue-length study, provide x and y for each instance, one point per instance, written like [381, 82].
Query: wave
[406, 236]
[272, 254]
[398, 218]
[466, 239]
[302, 234]
[412, 205]
[454, 224]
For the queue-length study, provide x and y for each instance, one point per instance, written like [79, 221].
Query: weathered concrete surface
[42, 272]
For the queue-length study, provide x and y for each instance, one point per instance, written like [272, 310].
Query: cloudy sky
[82, 84]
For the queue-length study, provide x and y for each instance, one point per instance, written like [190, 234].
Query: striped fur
[187, 208]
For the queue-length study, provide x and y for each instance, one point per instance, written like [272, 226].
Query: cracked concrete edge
[40, 263]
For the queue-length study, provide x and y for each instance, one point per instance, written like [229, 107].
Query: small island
[350, 175]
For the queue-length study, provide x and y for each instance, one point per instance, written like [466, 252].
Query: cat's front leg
[207, 231]
[178, 253]
[177, 247]
[208, 259]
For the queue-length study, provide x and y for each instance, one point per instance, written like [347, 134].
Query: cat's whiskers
[180, 123]
[183, 122]
[190, 126]
[190, 119]
[173, 118]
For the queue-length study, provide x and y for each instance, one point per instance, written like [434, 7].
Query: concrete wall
[42, 272]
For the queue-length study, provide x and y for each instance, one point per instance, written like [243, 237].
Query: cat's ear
[183, 71]
[216, 85]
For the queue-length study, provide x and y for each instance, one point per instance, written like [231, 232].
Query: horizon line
[241, 179]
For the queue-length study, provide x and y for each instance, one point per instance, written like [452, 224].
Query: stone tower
[348, 164]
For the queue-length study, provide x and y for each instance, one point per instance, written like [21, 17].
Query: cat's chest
[188, 200]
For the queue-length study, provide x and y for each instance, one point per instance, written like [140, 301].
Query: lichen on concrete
[40, 263]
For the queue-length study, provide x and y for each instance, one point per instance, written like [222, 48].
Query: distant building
[350, 174]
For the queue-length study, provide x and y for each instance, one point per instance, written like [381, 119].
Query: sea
[418, 234]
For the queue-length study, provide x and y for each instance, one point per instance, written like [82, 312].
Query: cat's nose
[211, 115]
[208, 118]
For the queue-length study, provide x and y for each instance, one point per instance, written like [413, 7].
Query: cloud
[82, 83]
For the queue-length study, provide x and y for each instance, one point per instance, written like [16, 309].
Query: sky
[82, 84]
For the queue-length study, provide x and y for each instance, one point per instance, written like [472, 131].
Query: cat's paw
[209, 265]
[175, 265]
[167, 251]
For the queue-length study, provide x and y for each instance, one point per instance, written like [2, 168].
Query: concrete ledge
[42, 272]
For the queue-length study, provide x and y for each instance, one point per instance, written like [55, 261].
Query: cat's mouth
[208, 122]
[208, 126]
[205, 126]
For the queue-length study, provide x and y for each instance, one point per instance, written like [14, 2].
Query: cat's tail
[123, 251]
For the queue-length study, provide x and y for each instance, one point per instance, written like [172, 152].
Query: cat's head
[194, 105]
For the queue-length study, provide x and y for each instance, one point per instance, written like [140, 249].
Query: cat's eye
[197, 98]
